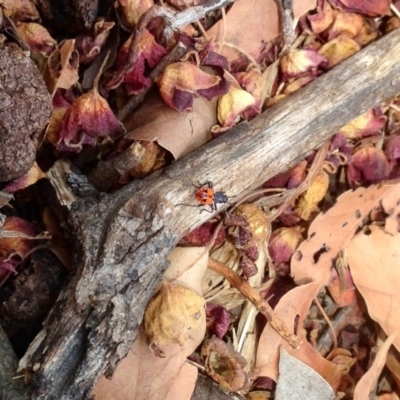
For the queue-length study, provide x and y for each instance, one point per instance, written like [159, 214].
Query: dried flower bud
[299, 62]
[283, 243]
[248, 266]
[235, 220]
[88, 121]
[16, 239]
[37, 37]
[172, 313]
[241, 236]
[218, 319]
[251, 252]
[90, 43]
[224, 365]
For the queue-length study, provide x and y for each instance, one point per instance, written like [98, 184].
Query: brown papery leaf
[295, 303]
[373, 258]
[188, 265]
[179, 133]
[62, 67]
[142, 375]
[367, 383]
[331, 232]
[257, 21]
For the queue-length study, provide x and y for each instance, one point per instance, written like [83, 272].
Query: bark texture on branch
[122, 240]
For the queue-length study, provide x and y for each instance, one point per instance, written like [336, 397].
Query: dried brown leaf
[179, 133]
[332, 231]
[372, 258]
[142, 375]
[62, 67]
[295, 303]
[255, 27]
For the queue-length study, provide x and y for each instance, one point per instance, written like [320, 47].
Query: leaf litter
[291, 287]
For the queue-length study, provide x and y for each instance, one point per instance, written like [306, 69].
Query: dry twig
[262, 306]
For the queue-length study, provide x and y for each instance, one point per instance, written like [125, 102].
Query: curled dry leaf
[392, 149]
[322, 19]
[254, 83]
[218, 319]
[179, 133]
[283, 243]
[293, 309]
[134, 77]
[172, 313]
[258, 222]
[232, 105]
[62, 101]
[152, 158]
[224, 365]
[62, 67]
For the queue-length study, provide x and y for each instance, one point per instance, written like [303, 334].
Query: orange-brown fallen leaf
[332, 231]
[142, 375]
[295, 303]
[248, 29]
[373, 258]
[179, 133]
[62, 67]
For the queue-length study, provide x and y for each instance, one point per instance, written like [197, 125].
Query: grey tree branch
[11, 388]
[122, 240]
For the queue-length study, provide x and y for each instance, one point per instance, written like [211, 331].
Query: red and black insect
[207, 196]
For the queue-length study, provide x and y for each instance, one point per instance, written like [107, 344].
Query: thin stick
[262, 306]
[286, 14]
[322, 311]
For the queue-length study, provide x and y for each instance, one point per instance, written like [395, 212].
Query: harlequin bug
[206, 196]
